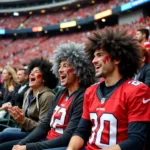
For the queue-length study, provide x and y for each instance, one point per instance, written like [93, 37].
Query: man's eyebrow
[98, 53]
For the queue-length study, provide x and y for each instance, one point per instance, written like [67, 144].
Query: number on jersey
[135, 83]
[54, 122]
[104, 130]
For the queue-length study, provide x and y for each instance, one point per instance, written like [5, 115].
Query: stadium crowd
[52, 18]
[24, 49]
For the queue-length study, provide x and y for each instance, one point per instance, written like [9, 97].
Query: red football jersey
[110, 115]
[59, 119]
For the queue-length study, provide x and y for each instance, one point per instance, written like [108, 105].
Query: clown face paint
[66, 74]
[35, 78]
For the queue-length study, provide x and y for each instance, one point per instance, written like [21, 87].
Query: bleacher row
[23, 50]
[11, 22]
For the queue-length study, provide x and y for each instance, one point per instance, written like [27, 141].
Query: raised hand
[17, 114]
[6, 105]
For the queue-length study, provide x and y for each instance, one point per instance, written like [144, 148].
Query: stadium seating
[52, 18]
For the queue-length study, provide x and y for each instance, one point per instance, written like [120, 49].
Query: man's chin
[62, 84]
[99, 75]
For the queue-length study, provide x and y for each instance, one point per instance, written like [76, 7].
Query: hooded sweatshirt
[37, 107]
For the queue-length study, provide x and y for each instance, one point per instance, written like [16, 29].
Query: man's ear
[116, 62]
[143, 59]
[144, 35]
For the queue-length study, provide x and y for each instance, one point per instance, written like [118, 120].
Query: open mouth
[97, 68]
[62, 77]
[32, 79]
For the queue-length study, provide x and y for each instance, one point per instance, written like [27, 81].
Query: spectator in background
[76, 73]
[10, 82]
[37, 101]
[142, 36]
[22, 79]
[143, 74]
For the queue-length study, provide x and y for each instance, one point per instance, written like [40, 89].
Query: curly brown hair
[120, 45]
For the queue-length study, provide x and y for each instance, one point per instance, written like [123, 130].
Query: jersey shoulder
[134, 86]
[93, 87]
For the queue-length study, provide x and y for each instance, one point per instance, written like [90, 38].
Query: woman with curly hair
[37, 100]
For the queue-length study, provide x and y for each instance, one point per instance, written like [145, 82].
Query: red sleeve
[139, 104]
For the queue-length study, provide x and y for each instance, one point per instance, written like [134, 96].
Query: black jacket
[8, 96]
[2, 90]
[40, 132]
[18, 95]
[144, 74]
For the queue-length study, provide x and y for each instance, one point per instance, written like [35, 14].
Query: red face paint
[39, 76]
[70, 71]
[106, 59]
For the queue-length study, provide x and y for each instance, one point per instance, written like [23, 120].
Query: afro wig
[75, 54]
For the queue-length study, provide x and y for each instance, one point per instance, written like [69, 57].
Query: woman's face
[35, 78]
[5, 75]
